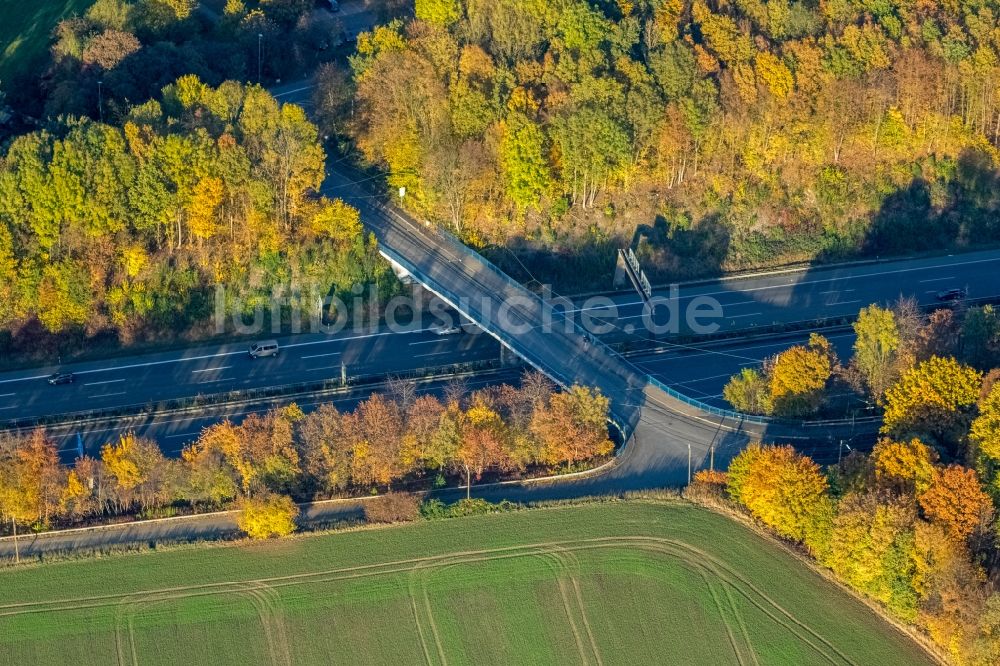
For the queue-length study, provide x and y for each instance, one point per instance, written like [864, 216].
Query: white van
[263, 349]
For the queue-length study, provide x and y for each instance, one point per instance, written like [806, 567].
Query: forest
[128, 227]
[399, 441]
[913, 524]
[548, 133]
[712, 135]
[138, 174]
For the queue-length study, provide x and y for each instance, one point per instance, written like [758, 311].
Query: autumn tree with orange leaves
[956, 501]
[573, 427]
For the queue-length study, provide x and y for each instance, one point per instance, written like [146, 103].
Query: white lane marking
[7, 395]
[610, 310]
[706, 379]
[837, 291]
[375, 335]
[752, 314]
[109, 395]
[952, 277]
[187, 434]
[325, 367]
[851, 277]
[24, 379]
[322, 355]
[426, 342]
[447, 351]
[792, 283]
[219, 355]
[292, 92]
[11, 407]
[110, 381]
[830, 305]
[224, 367]
[213, 381]
[353, 337]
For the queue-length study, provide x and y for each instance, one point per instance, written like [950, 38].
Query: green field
[613, 583]
[26, 28]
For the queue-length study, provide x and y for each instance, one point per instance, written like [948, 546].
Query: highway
[701, 372]
[669, 433]
[747, 304]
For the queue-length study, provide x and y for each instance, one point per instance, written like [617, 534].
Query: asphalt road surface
[746, 304]
[701, 372]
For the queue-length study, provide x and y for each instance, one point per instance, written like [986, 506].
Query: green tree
[980, 337]
[748, 392]
[439, 12]
[876, 347]
[594, 146]
[872, 549]
[526, 171]
[64, 298]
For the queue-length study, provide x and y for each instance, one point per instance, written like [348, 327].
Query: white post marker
[402, 193]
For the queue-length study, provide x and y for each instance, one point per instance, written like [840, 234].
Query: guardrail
[387, 207]
[179, 405]
[715, 411]
[754, 418]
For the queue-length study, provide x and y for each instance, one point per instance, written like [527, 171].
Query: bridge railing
[454, 300]
[705, 407]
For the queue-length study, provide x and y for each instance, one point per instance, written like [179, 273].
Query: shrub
[709, 487]
[393, 508]
[476, 507]
[435, 509]
[266, 516]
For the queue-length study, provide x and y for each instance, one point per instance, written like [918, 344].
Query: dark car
[61, 378]
[951, 295]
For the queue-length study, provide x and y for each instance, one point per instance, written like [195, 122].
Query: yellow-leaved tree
[267, 515]
[799, 375]
[573, 427]
[935, 398]
[985, 429]
[904, 466]
[784, 490]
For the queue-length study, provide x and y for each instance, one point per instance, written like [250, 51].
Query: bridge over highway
[668, 432]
